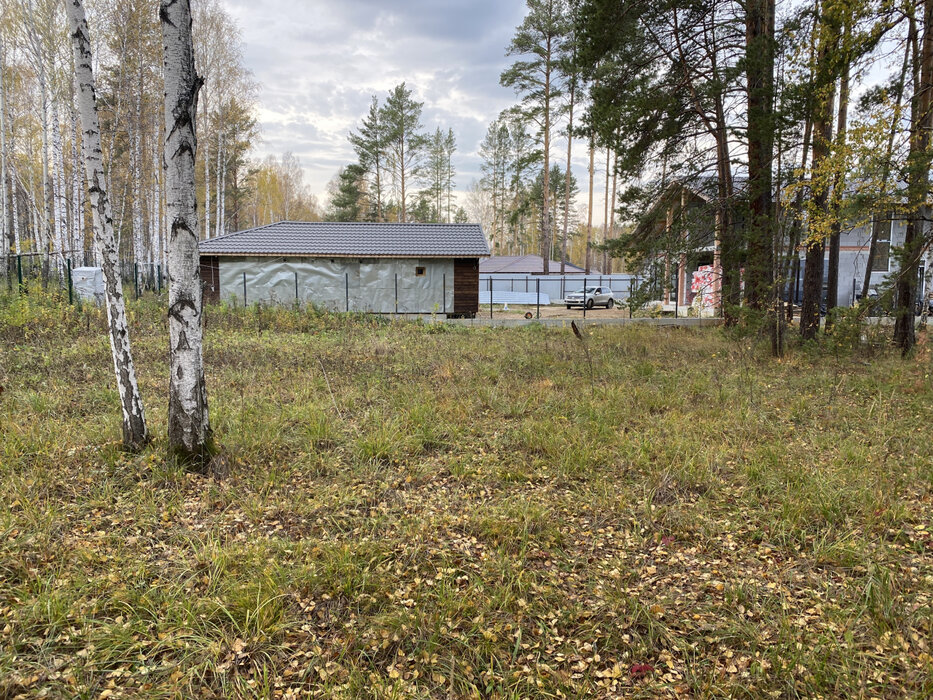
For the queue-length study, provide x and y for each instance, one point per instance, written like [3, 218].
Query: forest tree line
[44, 208]
[401, 173]
[796, 122]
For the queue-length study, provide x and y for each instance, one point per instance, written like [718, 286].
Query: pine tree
[347, 200]
[450, 147]
[495, 151]
[401, 117]
[370, 146]
[539, 38]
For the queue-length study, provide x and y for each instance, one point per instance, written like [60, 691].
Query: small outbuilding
[370, 267]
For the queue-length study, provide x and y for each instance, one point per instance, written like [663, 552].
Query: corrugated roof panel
[353, 239]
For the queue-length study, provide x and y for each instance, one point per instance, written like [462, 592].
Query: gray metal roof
[523, 265]
[355, 240]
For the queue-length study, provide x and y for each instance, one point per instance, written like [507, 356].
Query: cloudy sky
[319, 64]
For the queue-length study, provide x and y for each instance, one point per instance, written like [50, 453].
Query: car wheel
[568, 306]
[610, 303]
[589, 303]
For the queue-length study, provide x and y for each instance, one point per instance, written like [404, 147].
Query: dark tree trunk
[759, 271]
[839, 183]
[918, 175]
[885, 173]
[822, 139]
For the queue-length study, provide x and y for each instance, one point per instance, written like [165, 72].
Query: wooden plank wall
[210, 278]
[466, 286]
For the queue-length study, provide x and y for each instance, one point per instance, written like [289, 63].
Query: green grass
[408, 511]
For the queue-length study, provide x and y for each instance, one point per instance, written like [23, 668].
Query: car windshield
[588, 290]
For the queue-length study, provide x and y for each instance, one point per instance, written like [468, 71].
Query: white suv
[590, 297]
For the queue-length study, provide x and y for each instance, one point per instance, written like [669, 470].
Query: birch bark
[217, 213]
[207, 173]
[37, 52]
[137, 157]
[58, 181]
[7, 238]
[189, 430]
[222, 191]
[77, 205]
[135, 433]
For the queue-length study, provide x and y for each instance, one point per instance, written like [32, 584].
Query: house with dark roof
[682, 223]
[380, 268]
[524, 265]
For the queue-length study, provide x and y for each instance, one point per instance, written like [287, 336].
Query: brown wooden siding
[466, 286]
[210, 278]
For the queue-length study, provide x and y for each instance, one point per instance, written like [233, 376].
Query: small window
[419, 271]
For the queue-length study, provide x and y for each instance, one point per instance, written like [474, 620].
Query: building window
[882, 231]
[419, 271]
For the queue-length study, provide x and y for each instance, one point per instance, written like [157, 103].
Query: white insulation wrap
[88, 283]
[341, 284]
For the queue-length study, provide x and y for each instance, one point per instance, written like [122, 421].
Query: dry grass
[463, 513]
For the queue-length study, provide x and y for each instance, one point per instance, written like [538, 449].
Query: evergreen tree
[450, 147]
[404, 139]
[370, 146]
[539, 38]
[495, 150]
[348, 200]
[436, 171]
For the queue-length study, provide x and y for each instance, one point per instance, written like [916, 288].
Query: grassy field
[413, 511]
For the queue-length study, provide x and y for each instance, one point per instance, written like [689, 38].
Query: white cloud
[319, 63]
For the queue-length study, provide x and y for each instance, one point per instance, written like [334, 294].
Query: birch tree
[4, 233]
[189, 432]
[135, 433]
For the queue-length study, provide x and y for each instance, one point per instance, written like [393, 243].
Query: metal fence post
[70, 298]
[244, 290]
[396, 294]
[629, 297]
[296, 286]
[444, 291]
[584, 297]
[676, 288]
[159, 278]
[19, 273]
[347, 289]
[538, 285]
[490, 295]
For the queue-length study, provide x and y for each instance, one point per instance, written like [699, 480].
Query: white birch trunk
[14, 188]
[7, 238]
[58, 181]
[207, 176]
[189, 431]
[46, 229]
[154, 252]
[77, 205]
[36, 226]
[137, 212]
[135, 434]
[217, 218]
[41, 231]
[222, 194]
